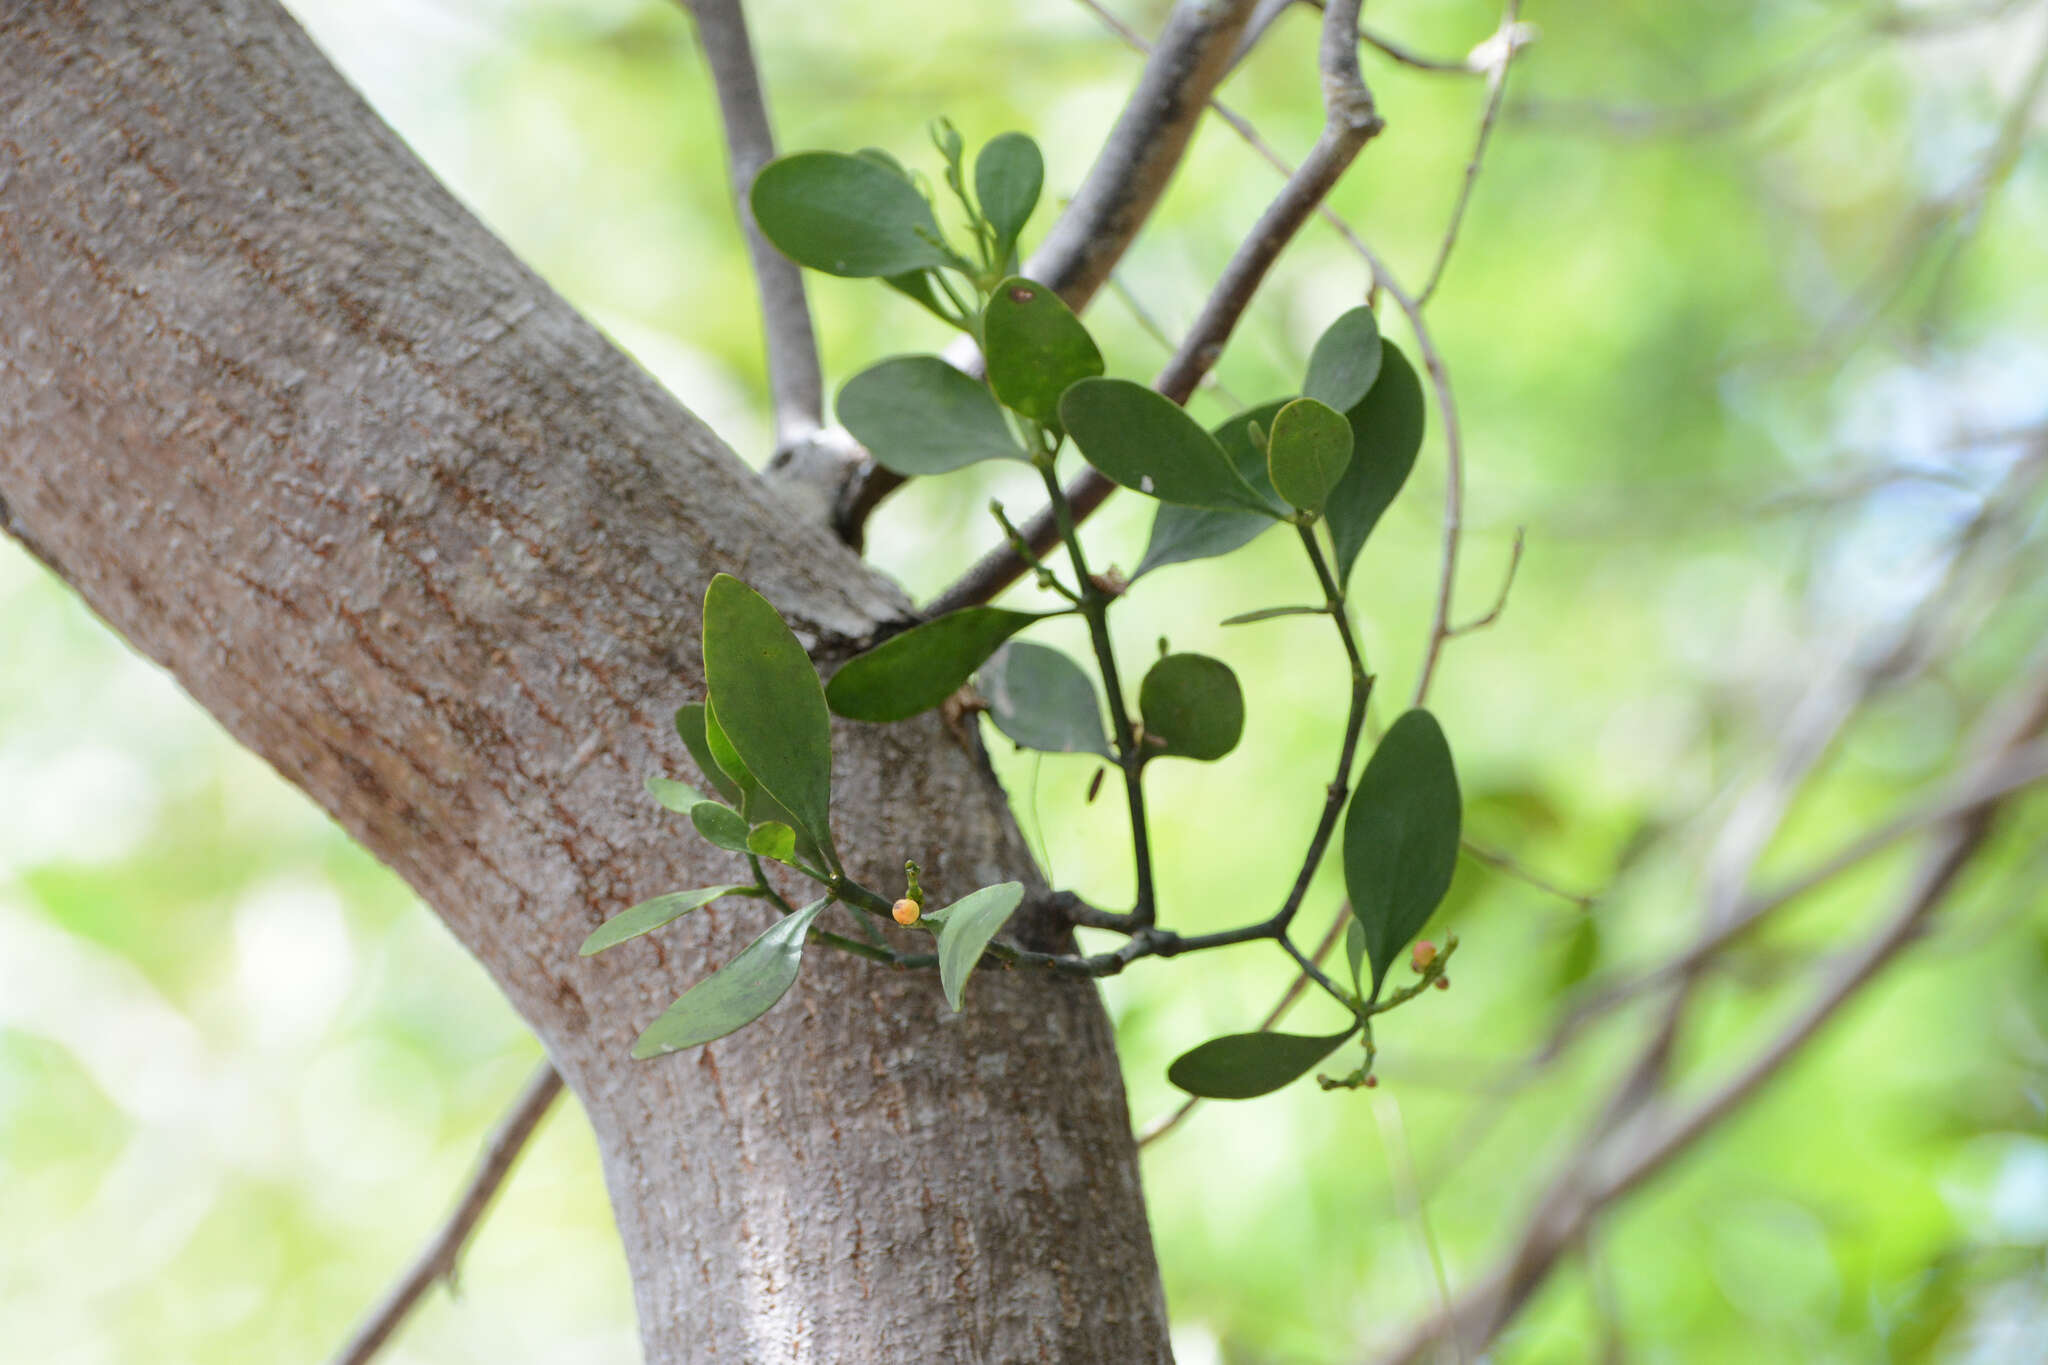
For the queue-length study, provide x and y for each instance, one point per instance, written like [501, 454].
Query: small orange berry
[904, 911]
[1422, 954]
[1443, 983]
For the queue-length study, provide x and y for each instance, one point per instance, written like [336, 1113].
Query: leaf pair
[918, 415]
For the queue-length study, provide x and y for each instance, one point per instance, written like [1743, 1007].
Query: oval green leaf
[691, 727]
[1192, 706]
[1183, 534]
[923, 666]
[1008, 176]
[722, 826]
[1307, 451]
[1144, 441]
[1243, 1066]
[969, 924]
[1040, 699]
[845, 215]
[1345, 361]
[918, 415]
[736, 994]
[769, 703]
[1035, 347]
[651, 915]
[676, 796]
[1386, 432]
[773, 840]
[1401, 838]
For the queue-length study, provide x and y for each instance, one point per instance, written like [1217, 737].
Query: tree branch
[437, 1259]
[796, 385]
[1494, 57]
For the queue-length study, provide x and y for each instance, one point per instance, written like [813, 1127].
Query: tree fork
[303, 432]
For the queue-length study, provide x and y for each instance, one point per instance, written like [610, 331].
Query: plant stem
[1094, 605]
[1354, 723]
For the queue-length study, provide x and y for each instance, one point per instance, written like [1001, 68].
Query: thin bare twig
[1500, 603]
[1621, 1158]
[1504, 863]
[1494, 56]
[1167, 1122]
[437, 1259]
[1350, 121]
[795, 383]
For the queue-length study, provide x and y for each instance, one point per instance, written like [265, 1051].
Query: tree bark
[305, 433]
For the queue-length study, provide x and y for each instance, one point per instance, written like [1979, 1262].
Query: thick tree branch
[299, 428]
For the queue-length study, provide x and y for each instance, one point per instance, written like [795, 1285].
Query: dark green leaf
[690, 726]
[722, 826]
[769, 703]
[1008, 175]
[918, 415]
[1243, 1066]
[773, 840]
[1182, 534]
[1143, 440]
[752, 799]
[923, 666]
[918, 286]
[1346, 361]
[1036, 347]
[1307, 452]
[1386, 434]
[736, 994]
[845, 215]
[1354, 953]
[1401, 837]
[1246, 618]
[1192, 707]
[969, 924]
[1042, 700]
[650, 915]
[676, 796]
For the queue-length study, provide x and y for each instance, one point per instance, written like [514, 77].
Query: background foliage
[1706, 350]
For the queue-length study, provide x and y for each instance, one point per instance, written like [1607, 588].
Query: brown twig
[1500, 603]
[1494, 57]
[437, 1259]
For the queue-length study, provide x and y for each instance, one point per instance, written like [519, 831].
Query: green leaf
[1345, 361]
[1401, 837]
[1386, 433]
[918, 415]
[651, 915]
[753, 801]
[1243, 1066]
[1354, 952]
[1193, 707]
[690, 725]
[676, 796]
[1307, 451]
[969, 924]
[773, 840]
[736, 994]
[1041, 699]
[846, 215]
[1144, 441]
[918, 287]
[923, 666]
[1035, 347]
[1182, 534]
[1008, 175]
[769, 703]
[722, 826]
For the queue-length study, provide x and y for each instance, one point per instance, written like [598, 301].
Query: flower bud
[1422, 955]
[1443, 983]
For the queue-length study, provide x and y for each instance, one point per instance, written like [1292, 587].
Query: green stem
[1094, 605]
[1354, 723]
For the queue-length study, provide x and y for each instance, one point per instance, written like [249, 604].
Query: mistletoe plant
[1325, 464]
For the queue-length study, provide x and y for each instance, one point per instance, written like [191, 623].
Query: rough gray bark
[305, 433]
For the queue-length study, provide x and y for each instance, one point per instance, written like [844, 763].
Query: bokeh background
[1749, 319]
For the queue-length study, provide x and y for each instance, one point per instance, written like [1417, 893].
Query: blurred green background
[1749, 315]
